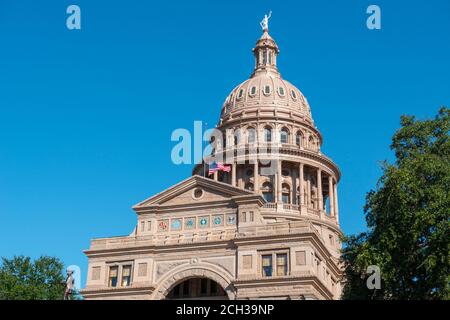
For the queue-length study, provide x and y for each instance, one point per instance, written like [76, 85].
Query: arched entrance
[195, 271]
[197, 289]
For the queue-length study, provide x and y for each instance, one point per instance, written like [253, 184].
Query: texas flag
[213, 167]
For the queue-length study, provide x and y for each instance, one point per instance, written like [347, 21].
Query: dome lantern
[266, 52]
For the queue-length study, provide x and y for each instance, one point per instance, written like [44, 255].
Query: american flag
[213, 167]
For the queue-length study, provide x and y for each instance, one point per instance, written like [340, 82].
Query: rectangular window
[281, 264]
[267, 265]
[126, 275]
[285, 198]
[113, 273]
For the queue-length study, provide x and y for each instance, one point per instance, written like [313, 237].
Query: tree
[23, 279]
[408, 216]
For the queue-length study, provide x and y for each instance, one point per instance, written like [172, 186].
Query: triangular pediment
[195, 189]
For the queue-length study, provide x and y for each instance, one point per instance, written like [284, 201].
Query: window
[253, 91]
[311, 142]
[293, 95]
[266, 90]
[237, 137]
[331, 239]
[281, 264]
[281, 91]
[249, 172]
[298, 139]
[268, 196]
[251, 135]
[126, 275]
[267, 265]
[240, 94]
[198, 193]
[267, 134]
[286, 193]
[284, 135]
[267, 191]
[204, 286]
[113, 275]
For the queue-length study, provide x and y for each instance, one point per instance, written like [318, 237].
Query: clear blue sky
[86, 116]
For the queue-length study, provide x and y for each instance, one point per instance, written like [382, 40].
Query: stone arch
[177, 275]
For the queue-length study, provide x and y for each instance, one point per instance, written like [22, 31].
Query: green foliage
[23, 279]
[408, 216]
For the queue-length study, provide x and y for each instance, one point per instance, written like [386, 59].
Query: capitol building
[266, 229]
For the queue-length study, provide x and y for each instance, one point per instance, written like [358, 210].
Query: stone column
[294, 194]
[330, 195]
[308, 193]
[256, 175]
[336, 207]
[233, 174]
[279, 190]
[319, 189]
[300, 184]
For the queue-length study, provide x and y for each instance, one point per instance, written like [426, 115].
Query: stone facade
[268, 229]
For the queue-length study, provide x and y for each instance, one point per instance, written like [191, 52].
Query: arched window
[298, 138]
[286, 193]
[251, 135]
[266, 90]
[241, 93]
[267, 191]
[267, 134]
[311, 142]
[237, 137]
[252, 91]
[249, 186]
[284, 135]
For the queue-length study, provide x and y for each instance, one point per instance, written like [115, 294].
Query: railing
[270, 205]
[288, 206]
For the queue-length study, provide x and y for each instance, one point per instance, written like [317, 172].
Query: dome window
[281, 91]
[237, 137]
[267, 134]
[251, 135]
[284, 135]
[266, 90]
[298, 139]
[293, 95]
[240, 94]
[252, 91]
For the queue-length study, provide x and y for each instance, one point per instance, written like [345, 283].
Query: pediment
[195, 189]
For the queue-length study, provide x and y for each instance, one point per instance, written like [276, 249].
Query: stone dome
[266, 89]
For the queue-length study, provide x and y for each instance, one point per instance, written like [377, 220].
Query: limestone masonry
[243, 234]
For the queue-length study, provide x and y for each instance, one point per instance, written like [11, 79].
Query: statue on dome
[265, 22]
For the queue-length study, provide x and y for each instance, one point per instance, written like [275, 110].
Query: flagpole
[203, 151]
